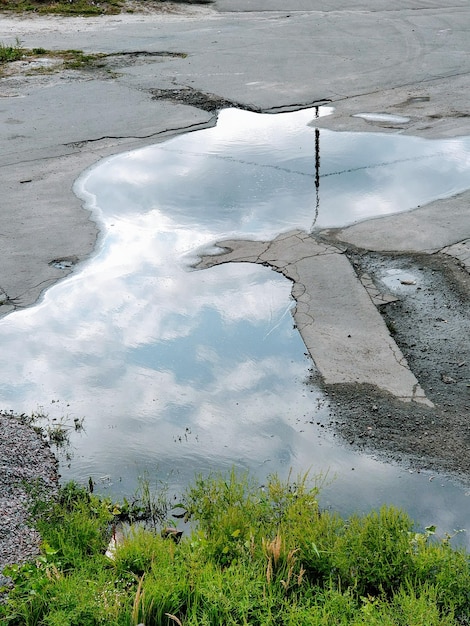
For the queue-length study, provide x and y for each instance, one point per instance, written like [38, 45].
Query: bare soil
[430, 324]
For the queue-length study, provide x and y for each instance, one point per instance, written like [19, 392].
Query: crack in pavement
[147, 53]
[459, 251]
[400, 359]
[206, 101]
[189, 127]
[6, 305]
[16, 300]
[298, 106]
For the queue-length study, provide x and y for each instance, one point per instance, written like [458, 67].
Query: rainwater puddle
[177, 371]
[383, 117]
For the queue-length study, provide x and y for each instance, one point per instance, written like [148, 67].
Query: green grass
[63, 7]
[76, 7]
[75, 59]
[69, 59]
[10, 53]
[254, 556]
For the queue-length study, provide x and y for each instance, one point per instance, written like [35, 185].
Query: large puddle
[177, 371]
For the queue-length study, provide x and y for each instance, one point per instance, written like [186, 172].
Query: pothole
[65, 263]
[205, 101]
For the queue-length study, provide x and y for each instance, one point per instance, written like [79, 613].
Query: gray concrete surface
[411, 60]
[425, 229]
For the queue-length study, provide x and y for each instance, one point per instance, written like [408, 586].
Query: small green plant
[78, 60]
[65, 59]
[11, 53]
[63, 7]
[261, 556]
[372, 553]
[150, 504]
[55, 432]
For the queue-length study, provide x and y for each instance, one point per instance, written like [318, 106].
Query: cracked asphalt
[168, 72]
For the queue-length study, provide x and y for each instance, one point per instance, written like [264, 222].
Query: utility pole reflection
[317, 171]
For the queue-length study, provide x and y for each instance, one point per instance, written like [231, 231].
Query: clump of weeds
[78, 60]
[64, 59]
[254, 555]
[56, 432]
[63, 7]
[9, 53]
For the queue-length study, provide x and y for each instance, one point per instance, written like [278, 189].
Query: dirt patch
[429, 323]
[205, 101]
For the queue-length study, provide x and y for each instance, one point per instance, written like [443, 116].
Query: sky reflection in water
[177, 371]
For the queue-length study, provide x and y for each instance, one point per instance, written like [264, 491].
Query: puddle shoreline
[428, 321]
[153, 380]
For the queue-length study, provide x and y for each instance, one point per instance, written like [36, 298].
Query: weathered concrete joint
[179, 129]
[340, 325]
[377, 296]
[459, 251]
[426, 229]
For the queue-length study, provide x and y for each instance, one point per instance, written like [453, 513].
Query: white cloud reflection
[185, 369]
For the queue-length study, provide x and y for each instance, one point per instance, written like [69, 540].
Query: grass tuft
[260, 556]
[10, 53]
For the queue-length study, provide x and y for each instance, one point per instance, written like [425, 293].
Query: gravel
[26, 465]
[430, 324]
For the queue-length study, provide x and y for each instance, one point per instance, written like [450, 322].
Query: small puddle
[177, 371]
[383, 117]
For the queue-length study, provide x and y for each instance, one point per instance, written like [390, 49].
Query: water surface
[177, 371]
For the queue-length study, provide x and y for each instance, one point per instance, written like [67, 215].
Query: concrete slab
[461, 252]
[62, 117]
[267, 59]
[41, 219]
[426, 229]
[341, 328]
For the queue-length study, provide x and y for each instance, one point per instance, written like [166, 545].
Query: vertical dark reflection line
[317, 172]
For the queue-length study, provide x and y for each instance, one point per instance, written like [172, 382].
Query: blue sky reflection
[182, 370]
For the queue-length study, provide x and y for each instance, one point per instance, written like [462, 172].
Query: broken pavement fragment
[339, 324]
[461, 252]
[428, 228]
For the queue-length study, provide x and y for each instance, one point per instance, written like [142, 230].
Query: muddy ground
[430, 323]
